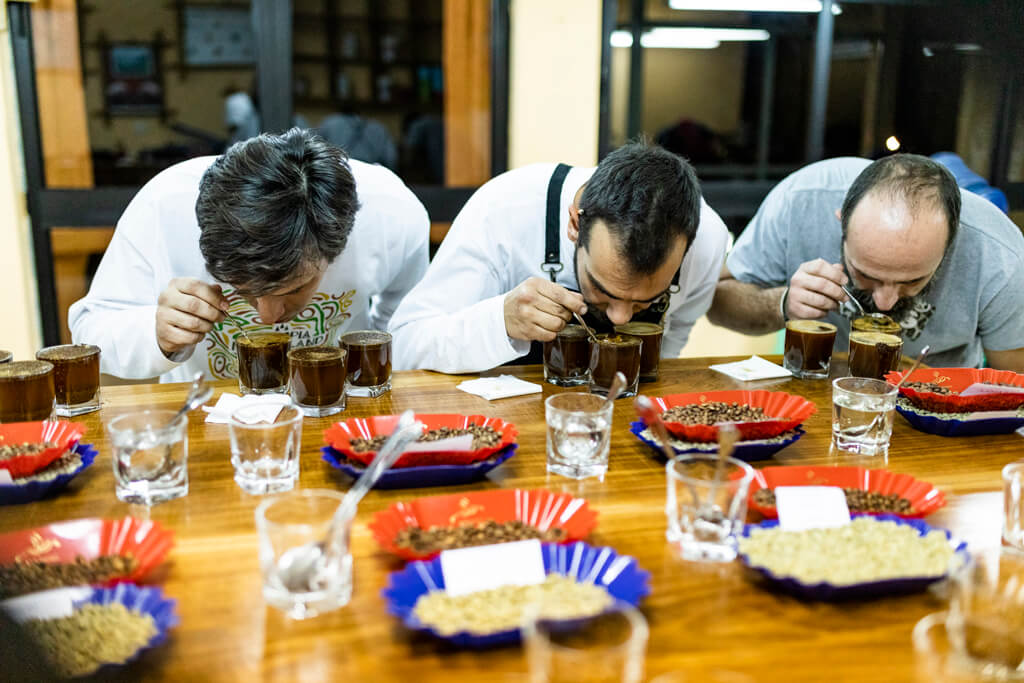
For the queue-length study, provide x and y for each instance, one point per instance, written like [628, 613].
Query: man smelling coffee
[945, 264]
[282, 232]
[540, 243]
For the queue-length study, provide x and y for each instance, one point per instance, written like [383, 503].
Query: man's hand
[537, 309]
[186, 311]
[815, 289]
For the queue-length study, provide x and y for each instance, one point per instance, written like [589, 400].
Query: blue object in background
[971, 181]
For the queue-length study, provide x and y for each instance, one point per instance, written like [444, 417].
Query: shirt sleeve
[453, 321]
[759, 255]
[119, 312]
[411, 245]
[701, 269]
[1001, 323]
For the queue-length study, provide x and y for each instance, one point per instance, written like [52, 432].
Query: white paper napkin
[504, 386]
[982, 389]
[751, 369]
[229, 403]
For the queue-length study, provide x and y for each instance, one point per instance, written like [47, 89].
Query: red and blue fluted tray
[785, 412]
[12, 494]
[63, 434]
[618, 574]
[425, 476]
[751, 450]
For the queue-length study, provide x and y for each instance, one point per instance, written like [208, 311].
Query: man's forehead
[303, 277]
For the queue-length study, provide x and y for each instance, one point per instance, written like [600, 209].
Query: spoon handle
[586, 327]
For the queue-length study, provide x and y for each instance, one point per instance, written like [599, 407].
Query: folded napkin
[751, 369]
[504, 386]
[229, 403]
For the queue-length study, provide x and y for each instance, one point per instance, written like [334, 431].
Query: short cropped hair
[647, 197]
[911, 178]
[272, 206]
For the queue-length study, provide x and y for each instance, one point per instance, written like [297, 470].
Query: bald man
[899, 234]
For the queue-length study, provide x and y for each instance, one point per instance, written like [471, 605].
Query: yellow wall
[554, 81]
[18, 301]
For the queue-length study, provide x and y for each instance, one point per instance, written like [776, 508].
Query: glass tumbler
[150, 456]
[265, 454]
[578, 434]
[862, 415]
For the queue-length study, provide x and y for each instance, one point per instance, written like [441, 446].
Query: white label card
[469, 570]
[981, 389]
[811, 507]
[452, 443]
[5, 477]
[51, 604]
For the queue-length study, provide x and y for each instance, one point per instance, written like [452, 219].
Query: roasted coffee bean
[930, 387]
[483, 437]
[438, 538]
[27, 577]
[858, 500]
[714, 412]
[11, 450]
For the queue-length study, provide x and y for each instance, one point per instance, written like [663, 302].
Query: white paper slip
[504, 386]
[51, 604]
[751, 369]
[981, 389]
[468, 570]
[811, 507]
[989, 415]
[229, 403]
[463, 442]
[5, 477]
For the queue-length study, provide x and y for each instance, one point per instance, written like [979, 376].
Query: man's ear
[839, 215]
[574, 223]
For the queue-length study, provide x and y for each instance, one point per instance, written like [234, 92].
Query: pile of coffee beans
[483, 437]
[13, 450]
[930, 387]
[28, 577]
[714, 412]
[438, 538]
[65, 464]
[858, 500]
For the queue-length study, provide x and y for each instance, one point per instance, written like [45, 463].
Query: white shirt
[453, 320]
[157, 240]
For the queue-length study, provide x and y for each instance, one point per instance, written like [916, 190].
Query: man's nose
[619, 313]
[885, 297]
[270, 309]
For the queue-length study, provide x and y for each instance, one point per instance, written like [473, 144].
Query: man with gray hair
[899, 234]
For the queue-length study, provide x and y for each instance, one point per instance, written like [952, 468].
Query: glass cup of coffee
[76, 377]
[26, 391]
[263, 362]
[873, 354]
[808, 348]
[318, 379]
[615, 353]
[567, 358]
[650, 352]
[369, 363]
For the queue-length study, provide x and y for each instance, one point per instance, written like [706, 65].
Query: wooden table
[702, 617]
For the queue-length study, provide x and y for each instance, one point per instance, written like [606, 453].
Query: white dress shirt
[453, 320]
[157, 240]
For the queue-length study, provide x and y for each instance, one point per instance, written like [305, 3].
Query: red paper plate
[146, 541]
[538, 507]
[924, 497]
[340, 436]
[61, 432]
[787, 412]
[958, 379]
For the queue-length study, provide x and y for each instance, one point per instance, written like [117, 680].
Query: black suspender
[552, 258]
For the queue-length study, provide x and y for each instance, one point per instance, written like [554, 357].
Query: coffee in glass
[650, 355]
[369, 362]
[76, 377]
[876, 322]
[263, 362]
[567, 358]
[615, 353]
[26, 391]
[873, 354]
[808, 348]
[318, 379]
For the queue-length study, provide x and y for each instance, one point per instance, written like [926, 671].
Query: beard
[899, 310]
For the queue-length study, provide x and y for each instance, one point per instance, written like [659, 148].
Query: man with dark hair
[282, 231]
[531, 247]
[903, 239]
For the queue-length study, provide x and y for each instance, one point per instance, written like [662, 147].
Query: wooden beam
[467, 92]
[72, 248]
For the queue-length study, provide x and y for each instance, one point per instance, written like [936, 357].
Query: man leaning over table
[534, 245]
[282, 231]
[945, 264]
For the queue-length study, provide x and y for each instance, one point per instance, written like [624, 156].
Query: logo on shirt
[318, 323]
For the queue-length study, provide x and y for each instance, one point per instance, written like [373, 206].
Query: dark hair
[912, 178]
[648, 197]
[273, 205]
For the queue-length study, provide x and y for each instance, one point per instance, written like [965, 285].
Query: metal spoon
[854, 300]
[649, 414]
[238, 325]
[920, 357]
[198, 394]
[617, 387]
[590, 332]
[728, 435]
[302, 569]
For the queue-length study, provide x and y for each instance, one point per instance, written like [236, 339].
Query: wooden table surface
[702, 617]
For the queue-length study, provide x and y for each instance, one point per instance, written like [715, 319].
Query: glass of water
[579, 434]
[291, 531]
[862, 415]
[150, 456]
[265, 454]
[1013, 504]
[706, 504]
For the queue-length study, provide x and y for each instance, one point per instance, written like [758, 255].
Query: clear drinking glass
[1013, 504]
[265, 454]
[150, 456]
[936, 660]
[288, 526]
[705, 505]
[317, 383]
[76, 377]
[369, 363]
[579, 434]
[862, 415]
[608, 647]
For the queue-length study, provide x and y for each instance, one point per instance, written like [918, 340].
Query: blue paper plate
[619, 574]
[147, 600]
[827, 592]
[761, 449]
[420, 477]
[951, 426]
[12, 494]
